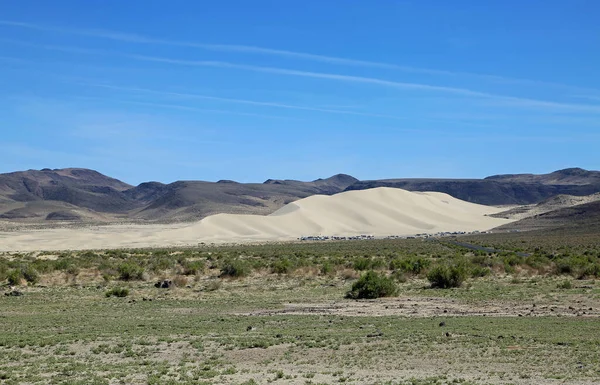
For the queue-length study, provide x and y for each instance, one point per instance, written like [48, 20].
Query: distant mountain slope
[515, 189]
[79, 187]
[547, 205]
[188, 200]
[568, 176]
[153, 201]
[86, 195]
[483, 191]
[583, 215]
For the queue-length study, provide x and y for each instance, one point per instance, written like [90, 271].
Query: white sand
[379, 212]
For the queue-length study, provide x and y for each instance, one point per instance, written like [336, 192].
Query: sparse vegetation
[286, 302]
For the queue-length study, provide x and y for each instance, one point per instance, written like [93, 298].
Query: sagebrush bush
[566, 284]
[22, 272]
[444, 276]
[326, 268]
[373, 285]
[478, 271]
[14, 277]
[282, 266]
[117, 292]
[591, 271]
[235, 268]
[410, 265]
[362, 263]
[160, 263]
[129, 271]
[192, 267]
[30, 274]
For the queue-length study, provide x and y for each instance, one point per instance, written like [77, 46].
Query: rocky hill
[518, 189]
[585, 215]
[75, 194]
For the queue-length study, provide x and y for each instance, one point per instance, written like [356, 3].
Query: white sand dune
[379, 212]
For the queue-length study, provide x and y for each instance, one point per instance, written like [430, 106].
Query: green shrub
[160, 263]
[193, 267]
[571, 265]
[566, 284]
[235, 268]
[117, 292]
[30, 274]
[43, 265]
[3, 270]
[282, 266]
[62, 264]
[411, 265]
[23, 272]
[373, 285]
[14, 277]
[326, 268]
[129, 271]
[445, 277]
[362, 263]
[592, 270]
[478, 271]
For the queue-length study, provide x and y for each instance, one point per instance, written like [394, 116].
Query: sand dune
[380, 212]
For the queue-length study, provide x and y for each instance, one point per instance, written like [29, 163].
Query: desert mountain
[568, 176]
[583, 216]
[36, 196]
[518, 189]
[80, 194]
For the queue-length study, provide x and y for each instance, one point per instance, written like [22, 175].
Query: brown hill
[77, 194]
[568, 176]
[517, 189]
[79, 187]
[80, 194]
[578, 216]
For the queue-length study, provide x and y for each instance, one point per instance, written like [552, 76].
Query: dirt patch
[432, 307]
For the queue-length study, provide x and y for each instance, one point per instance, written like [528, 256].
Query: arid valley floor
[277, 313]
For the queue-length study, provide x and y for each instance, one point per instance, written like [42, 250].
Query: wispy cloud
[309, 74]
[140, 39]
[515, 101]
[507, 100]
[242, 101]
[185, 108]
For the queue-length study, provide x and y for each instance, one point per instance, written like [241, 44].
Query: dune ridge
[380, 212]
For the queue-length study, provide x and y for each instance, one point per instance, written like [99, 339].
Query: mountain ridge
[87, 195]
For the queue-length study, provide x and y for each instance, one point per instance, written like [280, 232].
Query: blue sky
[250, 90]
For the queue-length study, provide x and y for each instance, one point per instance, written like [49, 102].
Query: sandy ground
[378, 212]
[439, 307]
